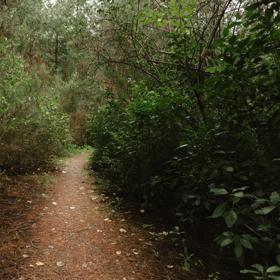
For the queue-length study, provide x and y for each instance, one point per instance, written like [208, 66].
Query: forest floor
[75, 235]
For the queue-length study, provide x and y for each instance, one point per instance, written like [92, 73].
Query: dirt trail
[75, 239]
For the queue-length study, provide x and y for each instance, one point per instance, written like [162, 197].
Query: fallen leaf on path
[59, 264]
[135, 252]
[170, 266]
[38, 263]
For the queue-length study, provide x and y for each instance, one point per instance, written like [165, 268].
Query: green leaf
[240, 189]
[265, 210]
[275, 197]
[183, 146]
[186, 266]
[226, 242]
[238, 250]
[219, 211]
[226, 31]
[219, 191]
[258, 267]
[213, 70]
[273, 269]
[238, 194]
[230, 218]
[246, 243]
[245, 271]
[229, 169]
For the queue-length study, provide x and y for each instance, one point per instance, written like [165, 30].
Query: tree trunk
[56, 53]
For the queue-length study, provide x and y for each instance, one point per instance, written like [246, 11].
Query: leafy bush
[33, 130]
[134, 142]
[223, 168]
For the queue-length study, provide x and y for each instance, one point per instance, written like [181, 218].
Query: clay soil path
[75, 238]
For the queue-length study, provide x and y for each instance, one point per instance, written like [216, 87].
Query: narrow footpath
[75, 237]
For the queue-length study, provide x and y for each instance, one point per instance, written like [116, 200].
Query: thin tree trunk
[56, 53]
[198, 96]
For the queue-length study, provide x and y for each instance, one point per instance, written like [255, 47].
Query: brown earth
[75, 237]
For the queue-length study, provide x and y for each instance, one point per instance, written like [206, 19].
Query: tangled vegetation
[33, 130]
[197, 130]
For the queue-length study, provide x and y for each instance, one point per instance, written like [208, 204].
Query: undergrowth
[207, 152]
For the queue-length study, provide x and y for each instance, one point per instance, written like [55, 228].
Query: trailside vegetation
[33, 129]
[193, 122]
[44, 91]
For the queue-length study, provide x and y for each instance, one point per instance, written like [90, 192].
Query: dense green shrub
[223, 168]
[134, 142]
[33, 130]
[154, 153]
